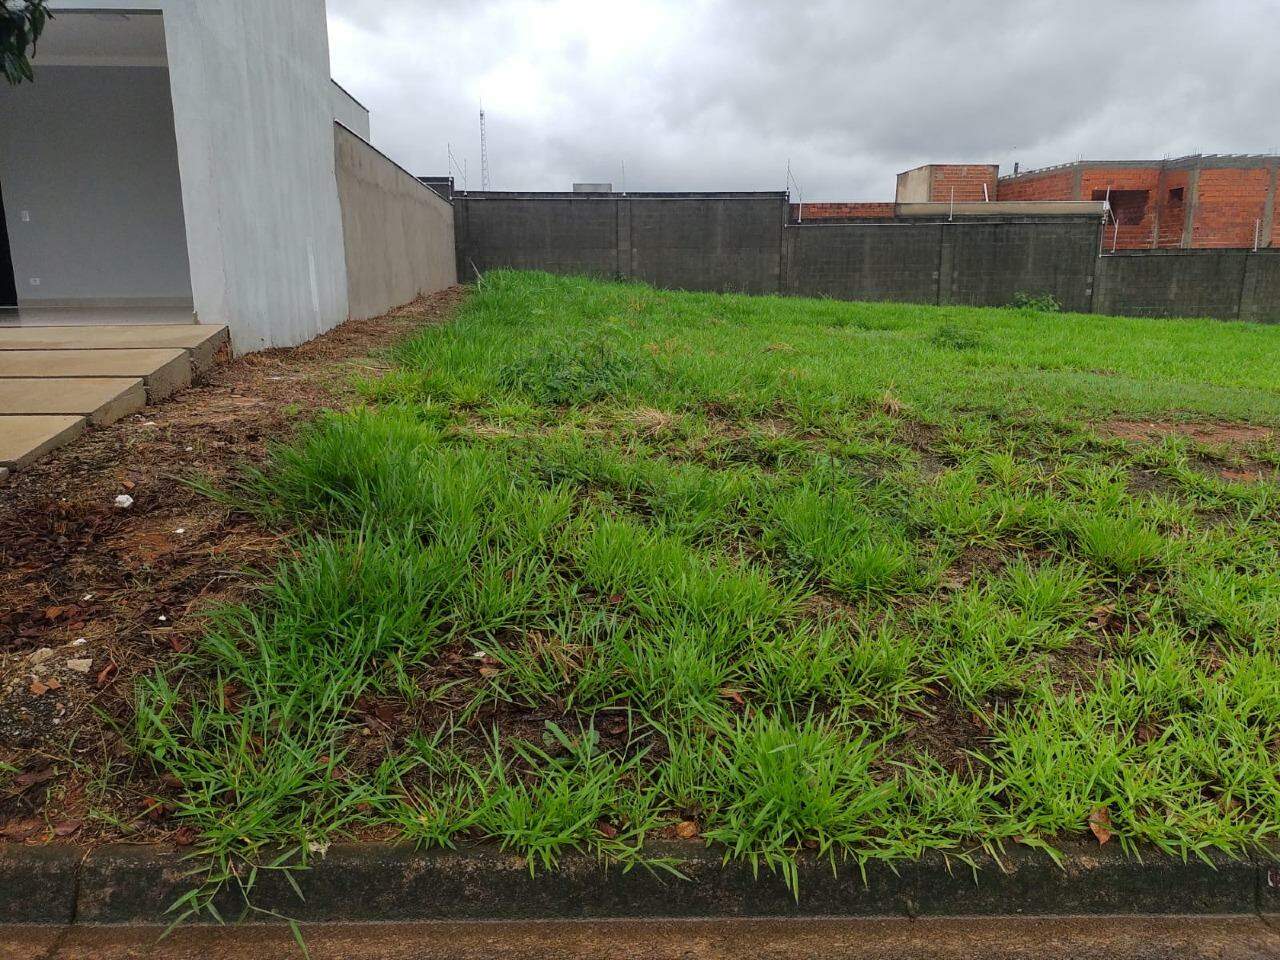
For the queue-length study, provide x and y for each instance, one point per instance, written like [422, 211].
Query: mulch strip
[92, 594]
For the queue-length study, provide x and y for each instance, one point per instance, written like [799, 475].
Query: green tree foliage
[21, 23]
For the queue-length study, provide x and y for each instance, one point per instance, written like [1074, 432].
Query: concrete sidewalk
[56, 380]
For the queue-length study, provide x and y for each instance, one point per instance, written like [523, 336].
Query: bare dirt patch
[1211, 432]
[92, 595]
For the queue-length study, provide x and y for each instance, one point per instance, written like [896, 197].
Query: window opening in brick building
[1127, 206]
[1176, 194]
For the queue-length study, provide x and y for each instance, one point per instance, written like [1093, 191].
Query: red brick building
[948, 182]
[1195, 201]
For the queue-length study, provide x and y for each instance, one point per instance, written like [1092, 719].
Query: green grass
[865, 579]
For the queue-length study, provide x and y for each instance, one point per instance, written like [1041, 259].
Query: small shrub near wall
[1042, 303]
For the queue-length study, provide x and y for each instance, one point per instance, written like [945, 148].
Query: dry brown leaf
[30, 779]
[38, 688]
[607, 829]
[67, 827]
[1100, 824]
[731, 694]
[687, 829]
[155, 809]
[21, 829]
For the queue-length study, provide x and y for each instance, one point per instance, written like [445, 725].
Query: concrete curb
[387, 882]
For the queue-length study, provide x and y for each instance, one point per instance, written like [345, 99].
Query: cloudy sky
[720, 94]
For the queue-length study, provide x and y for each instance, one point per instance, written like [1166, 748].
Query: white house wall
[253, 118]
[350, 112]
[89, 169]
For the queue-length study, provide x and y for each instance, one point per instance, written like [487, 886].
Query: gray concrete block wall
[714, 244]
[889, 261]
[1179, 283]
[975, 263]
[1260, 288]
[991, 262]
[398, 234]
[685, 242]
[563, 235]
[743, 242]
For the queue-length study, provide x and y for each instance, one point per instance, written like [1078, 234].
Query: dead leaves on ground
[687, 829]
[1100, 824]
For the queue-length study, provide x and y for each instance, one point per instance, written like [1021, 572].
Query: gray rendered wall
[397, 232]
[90, 153]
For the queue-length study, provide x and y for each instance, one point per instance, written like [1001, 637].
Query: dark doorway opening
[8, 286]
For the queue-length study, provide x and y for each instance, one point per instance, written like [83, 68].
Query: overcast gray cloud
[714, 94]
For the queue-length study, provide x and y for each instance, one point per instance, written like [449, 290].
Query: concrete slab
[201, 340]
[163, 371]
[24, 439]
[102, 399]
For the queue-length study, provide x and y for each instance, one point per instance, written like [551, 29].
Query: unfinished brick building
[1194, 201]
[947, 182]
[1204, 201]
[932, 183]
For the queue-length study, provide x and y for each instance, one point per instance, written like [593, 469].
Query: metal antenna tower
[461, 168]
[484, 153]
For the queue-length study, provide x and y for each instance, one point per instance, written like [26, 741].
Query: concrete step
[201, 340]
[23, 439]
[163, 371]
[102, 399]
